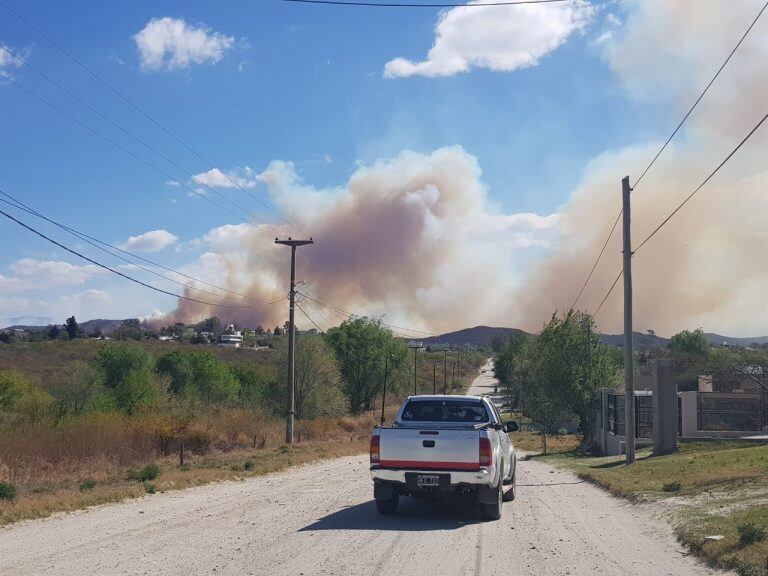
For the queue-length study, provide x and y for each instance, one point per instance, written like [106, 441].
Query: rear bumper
[482, 477]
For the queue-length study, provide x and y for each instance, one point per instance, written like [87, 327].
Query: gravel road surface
[320, 520]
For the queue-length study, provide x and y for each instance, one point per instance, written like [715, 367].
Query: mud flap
[488, 494]
[383, 490]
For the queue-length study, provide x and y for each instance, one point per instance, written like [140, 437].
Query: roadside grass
[89, 467]
[715, 488]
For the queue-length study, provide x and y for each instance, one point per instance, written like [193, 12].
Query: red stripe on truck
[424, 465]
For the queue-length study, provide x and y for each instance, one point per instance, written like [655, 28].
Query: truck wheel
[493, 511]
[510, 494]
[387, 505]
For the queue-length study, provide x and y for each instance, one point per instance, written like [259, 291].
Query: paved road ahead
[320, 520]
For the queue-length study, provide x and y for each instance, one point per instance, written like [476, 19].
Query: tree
[277, 331]
[13, 385]
[128, 372]
[53, 332]
[79, 388]
[690, 343]
[317, 381]
[198, 377]
[360, 345]
[72, 328]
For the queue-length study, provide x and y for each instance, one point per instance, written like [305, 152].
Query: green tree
[128, 372]
[690, 343]
[257, 385]
[199, 377]
[13, 385]
[80, 388]
[317, 381]
[360, 345]
[72, 328]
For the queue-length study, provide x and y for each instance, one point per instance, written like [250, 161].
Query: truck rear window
[444, 411]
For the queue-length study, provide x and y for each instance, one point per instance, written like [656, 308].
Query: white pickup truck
[441, 445]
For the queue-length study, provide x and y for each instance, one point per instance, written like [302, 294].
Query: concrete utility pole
[445, 371]
[415, 346]
[629, 372]
[434, 377]
[291, 335]
[384, 395]
[453, 376]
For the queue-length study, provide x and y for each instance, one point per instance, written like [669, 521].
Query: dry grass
[48, 466]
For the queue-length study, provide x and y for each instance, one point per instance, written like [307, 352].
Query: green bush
[87, 485]
[149, 472]
[7, 491]
[671, 487]
[150, 488]
[744, 569]
[249, 465]
[750, 533]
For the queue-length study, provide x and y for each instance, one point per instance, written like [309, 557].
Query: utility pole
[291, 335]
[434, 377]
[453, 376]
[445, 371]
[384, 395]
[629, 376]
[415, 346]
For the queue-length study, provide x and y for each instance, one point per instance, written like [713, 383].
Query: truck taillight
[485, 452]
[375, 452]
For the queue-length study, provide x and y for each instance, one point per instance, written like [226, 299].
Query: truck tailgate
[425, 449]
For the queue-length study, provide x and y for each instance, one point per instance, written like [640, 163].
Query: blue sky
[303, 84]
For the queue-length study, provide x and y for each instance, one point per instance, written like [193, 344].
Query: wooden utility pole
[291, 335]
[629, 372]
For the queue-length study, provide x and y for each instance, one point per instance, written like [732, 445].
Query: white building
[231, 338]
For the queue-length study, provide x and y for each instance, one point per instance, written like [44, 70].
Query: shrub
[87, 485]
[127, 370]
[671, 487]
[150, 488]
[744, 569]
[750, 533]
[249, 465]
[7, 491]
[149, 472]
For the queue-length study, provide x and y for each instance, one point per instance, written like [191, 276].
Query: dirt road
[320, 520]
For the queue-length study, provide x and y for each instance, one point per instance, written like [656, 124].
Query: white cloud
[7, 61]
[172, 44]
[32, 274]
[499, 38]
[152, 241]
[243, 178]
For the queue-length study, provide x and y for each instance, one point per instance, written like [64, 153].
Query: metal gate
[720, 411]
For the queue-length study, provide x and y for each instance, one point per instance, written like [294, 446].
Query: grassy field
[114, 462]
[710, 488]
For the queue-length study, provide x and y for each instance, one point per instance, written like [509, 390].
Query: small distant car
[443, 445]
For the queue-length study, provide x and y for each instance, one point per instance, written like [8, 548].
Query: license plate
[427, 481]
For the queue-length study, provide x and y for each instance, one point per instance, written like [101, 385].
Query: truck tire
[493, 511]
[511, 492]
[387, 506]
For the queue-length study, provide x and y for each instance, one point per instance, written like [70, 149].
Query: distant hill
[477, 336]
[719, 340]
[639, 340]
[107, 327]
[25, 322]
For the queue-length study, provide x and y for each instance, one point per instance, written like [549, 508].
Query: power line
[117, 272]
[100, 245]
[340, 311]
[404, 5]
[129, 133]
[83, 235]
[605, 298]
[136, 107]
[309, 317]
[685, 201]
[120, 146]
[666, 143]
[704, 182]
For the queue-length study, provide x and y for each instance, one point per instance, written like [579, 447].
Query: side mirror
[511, 427]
